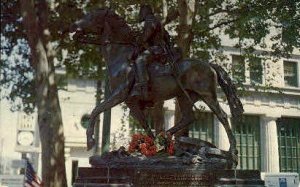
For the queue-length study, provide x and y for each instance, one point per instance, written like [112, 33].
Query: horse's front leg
[117, 97]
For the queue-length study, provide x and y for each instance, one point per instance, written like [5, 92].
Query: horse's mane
[121, 27]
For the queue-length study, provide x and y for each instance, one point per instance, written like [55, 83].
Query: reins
[84, 40]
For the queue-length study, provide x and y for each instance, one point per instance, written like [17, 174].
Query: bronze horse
[198, 78]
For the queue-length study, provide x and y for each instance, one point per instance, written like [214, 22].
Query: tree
[35, 22]
[32, 46]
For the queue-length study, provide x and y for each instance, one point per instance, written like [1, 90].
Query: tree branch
[218, 11]
[172, 15]
[218, 25]
[222, 23]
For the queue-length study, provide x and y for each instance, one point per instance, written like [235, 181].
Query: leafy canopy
[247, 22]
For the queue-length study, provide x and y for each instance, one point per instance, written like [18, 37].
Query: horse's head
[104, 24]
[92, 23]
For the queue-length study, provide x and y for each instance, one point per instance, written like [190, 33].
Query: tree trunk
[49, 112]
[187, 12]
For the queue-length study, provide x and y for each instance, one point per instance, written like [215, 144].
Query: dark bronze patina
[150, 48]
[197, 78]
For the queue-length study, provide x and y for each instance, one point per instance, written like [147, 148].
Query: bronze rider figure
[152, 47]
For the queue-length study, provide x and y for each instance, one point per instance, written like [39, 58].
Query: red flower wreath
[147, 146]
[143, 144]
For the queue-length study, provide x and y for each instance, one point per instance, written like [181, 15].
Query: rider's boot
[142, 76]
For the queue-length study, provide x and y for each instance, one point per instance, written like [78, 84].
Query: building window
[256, 70]
[289, 144]
[202, 128]
[238, 68]
[74, 170]
[61, 81]
[290, 74]
[85, 121]
[247, 135]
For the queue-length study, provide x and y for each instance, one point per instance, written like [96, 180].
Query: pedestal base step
[164, 177]
[239, 182]
[100, 185]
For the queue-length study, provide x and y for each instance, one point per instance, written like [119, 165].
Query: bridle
[80, 37]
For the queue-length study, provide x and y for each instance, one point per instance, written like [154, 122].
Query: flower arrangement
[149, 147]
[143, 144]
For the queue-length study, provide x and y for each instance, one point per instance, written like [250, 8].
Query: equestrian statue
[148, 69]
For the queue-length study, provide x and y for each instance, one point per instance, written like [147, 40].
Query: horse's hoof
[90, 144]
[234, 161]
[234, 157]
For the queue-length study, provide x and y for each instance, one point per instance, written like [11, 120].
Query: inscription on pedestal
[147, 177]
[156, 176]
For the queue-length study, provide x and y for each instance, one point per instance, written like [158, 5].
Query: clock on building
[25, 138]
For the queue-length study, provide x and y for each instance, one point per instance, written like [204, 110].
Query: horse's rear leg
[187, 115]
[213, 104]
[117, 97]
[138, 114]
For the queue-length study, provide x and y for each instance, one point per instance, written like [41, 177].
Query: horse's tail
[235, 104]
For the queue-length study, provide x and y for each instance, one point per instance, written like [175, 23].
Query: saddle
[158, 54]
[157, 67]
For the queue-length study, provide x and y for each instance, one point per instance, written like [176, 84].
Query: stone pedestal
[157, 176]
[196, 163]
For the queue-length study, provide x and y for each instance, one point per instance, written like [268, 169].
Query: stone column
[269, 143]
[220, 135]
[68, 164]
